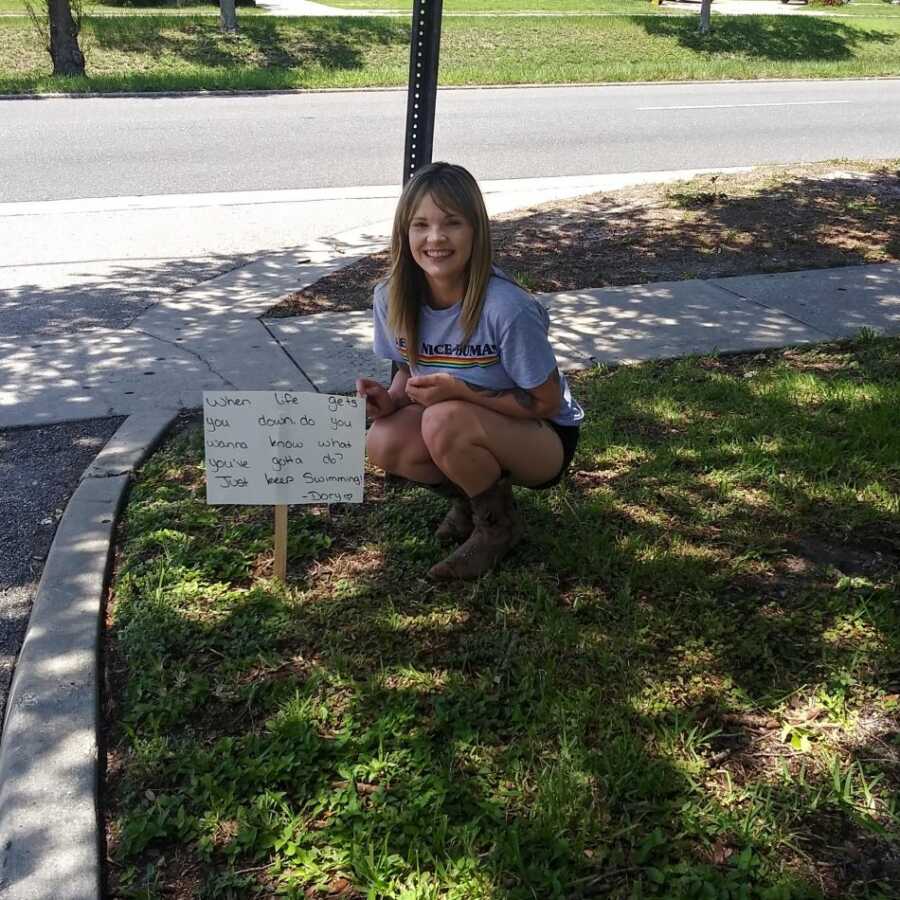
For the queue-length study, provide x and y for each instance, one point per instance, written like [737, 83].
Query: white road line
[741, 105]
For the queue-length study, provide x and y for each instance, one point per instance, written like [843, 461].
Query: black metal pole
[424, 48]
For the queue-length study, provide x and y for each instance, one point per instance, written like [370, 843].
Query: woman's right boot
[497, 530]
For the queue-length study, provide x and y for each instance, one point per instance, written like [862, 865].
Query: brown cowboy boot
[497, 531]
[457, 525]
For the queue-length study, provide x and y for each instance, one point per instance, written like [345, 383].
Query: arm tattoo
[522, 397]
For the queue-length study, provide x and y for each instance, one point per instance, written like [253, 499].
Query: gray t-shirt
[508, 349]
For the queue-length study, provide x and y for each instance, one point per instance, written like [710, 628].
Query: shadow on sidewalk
[103, 293]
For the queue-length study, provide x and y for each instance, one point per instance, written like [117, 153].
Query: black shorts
[569, 435]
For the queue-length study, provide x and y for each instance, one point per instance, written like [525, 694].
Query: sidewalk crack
[288, 354]
[775, 309]
[188, 350]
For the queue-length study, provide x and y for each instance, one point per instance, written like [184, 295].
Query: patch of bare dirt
[773, 219]
[846, 559]
[838, 849]
[848, 859]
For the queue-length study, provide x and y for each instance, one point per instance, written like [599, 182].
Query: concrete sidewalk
[207, 336]
[216, 336]
[642, 322]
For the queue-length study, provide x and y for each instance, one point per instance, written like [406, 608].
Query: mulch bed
[773, 219]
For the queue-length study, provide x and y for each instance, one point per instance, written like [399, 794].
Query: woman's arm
[540, 402]
[381, 401]
[397, 390]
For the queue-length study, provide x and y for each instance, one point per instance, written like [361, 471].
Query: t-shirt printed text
[450, 355]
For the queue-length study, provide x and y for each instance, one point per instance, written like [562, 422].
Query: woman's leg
[472, 446]
[395, 444]
[475, 448]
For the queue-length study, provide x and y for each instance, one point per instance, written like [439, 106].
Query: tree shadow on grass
[780, 38]
[602, 716]
[336, 44]
[206, 5]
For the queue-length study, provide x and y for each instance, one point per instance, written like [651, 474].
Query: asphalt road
[103, 147]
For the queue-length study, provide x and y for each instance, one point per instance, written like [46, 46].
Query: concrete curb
[237, 92]
[49, 777]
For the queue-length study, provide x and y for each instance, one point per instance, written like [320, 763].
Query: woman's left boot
[497, 531]
[457, 525]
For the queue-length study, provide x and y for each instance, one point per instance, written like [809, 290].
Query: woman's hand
[427, 390]
[379, 403]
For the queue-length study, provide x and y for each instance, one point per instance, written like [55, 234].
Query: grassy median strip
[167, 53]
[867, 8]
[99, 8]
[636, 7]
[684, 684]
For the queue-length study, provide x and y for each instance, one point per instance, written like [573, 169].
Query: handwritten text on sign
[276, 447]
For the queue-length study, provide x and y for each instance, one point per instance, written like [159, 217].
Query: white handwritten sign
[279, 447]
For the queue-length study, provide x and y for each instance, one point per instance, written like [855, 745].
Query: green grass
[156, 53]
[871, 9]
[479, 6]
[868, 9]
[684, 684]
[187, 8]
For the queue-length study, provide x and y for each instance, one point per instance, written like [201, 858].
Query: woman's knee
[384, 446]
[446, 425]
[391, 445]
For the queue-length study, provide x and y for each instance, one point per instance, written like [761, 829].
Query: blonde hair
[454, 190]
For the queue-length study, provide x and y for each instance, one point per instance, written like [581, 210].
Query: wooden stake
[281, 525]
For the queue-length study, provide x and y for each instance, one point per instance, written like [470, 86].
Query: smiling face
[441, 244]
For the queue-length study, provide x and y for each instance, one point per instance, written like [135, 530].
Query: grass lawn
[156, 52]
[638, 7]
[860, 8]
[188, 7]
[684, 684]
[870, 8]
